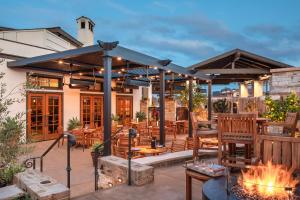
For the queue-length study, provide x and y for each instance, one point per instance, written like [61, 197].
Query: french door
[91, 114]
[124, 108]
[44, 116]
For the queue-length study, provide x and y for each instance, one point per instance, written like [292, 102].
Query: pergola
[236, 66]
[110, 61]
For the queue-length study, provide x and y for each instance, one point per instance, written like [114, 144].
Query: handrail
[31, 162]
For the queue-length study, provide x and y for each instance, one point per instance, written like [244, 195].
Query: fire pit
[263, 182]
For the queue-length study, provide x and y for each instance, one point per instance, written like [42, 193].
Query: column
[258, 88]
[190, 106]
[244, 90]
[107, 103]
[162, 106]
[209, 104]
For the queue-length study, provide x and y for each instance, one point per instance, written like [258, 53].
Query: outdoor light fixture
[179, 74]
[100, 72]
[110, 184]
[60, 62]
[169, 71]
[120, 180]
[141, 76]
[119, 72]
[122, 69]
[119, 58]
[155, 67]
[80, 74]
[186, 76]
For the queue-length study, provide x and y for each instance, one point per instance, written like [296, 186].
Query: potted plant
[73, 123]
[141, 116]
[115, 119]
[100, 148]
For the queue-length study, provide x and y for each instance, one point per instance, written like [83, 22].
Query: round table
[147, 150]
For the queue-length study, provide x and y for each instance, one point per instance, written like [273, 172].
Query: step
[40, 186]
[11, 192]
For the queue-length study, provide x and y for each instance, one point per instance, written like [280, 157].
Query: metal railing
[31, 162]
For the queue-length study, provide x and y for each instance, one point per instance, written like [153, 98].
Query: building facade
[51, 102]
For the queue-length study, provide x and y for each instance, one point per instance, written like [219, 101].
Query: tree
[199, 99]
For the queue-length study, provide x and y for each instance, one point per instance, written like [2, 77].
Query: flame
[268, 180]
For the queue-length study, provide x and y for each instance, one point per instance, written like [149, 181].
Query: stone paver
[168, 182]
[11, 192]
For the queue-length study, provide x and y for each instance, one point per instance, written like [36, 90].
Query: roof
[55, 30]
[89, 59]
[237, 65]
[87, 19]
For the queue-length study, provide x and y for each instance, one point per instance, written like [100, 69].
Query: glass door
[44, 116]
[92, 111]
[124, 109]
[53, 116]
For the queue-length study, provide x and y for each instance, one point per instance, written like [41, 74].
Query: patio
[168, 180]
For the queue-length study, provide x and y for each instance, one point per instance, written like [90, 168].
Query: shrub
[73, 123]
[141, 116]
[7, 173]
[277, 109]
[221, 106]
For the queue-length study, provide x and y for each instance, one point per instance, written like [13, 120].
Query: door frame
[27, 113]
[126, 96]
[81, 106]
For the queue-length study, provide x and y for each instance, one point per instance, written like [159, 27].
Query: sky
[186, 32]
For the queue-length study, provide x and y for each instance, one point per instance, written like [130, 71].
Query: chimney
[85, 30]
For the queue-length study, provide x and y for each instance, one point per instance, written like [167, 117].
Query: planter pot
[93, 158]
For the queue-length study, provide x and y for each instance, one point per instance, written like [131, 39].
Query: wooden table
[190, 174]
[147, 150]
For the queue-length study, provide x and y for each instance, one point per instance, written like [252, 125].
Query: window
[44, 81]
[91, 26]
[83, 25]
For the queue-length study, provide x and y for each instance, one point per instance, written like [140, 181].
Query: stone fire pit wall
[116, 167]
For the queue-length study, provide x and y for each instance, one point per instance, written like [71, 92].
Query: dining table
[147, 150]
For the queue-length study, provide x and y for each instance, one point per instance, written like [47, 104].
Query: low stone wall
[285, 81]
[40, 186]
[115, 169]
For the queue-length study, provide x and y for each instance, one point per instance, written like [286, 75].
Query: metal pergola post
[162, 107]
[190, 106]
[107, 103]
[209, 103]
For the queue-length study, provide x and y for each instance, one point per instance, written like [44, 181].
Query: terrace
[237, 138]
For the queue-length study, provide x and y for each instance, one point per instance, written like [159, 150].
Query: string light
[122, 69]
[169, 71]
[80, 74]
[155, 67]
[119, 72]
[141, 76]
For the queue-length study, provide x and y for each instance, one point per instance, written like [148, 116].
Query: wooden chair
[144, 140]
[80, 137]
[123, 141]
[95, 137]
[204, 136]
[289, 125]
[190, 143]
[178, 145]
[170, 128]
[155, 133]
[237, 135]
[186, 127]
[121, 152]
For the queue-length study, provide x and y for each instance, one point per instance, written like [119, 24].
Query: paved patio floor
[169, 181]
